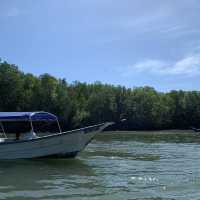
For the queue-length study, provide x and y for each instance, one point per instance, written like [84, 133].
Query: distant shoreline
[156, 132]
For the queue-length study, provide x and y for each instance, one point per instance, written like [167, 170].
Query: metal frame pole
[3, 130]
[31, 122]
[59, 125]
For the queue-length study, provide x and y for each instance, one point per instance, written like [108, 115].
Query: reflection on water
[114, 166]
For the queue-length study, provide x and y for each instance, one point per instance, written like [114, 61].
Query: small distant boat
[196, 129]
[31, 145]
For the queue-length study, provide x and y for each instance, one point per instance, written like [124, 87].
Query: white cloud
[189, 66]
[13, 12]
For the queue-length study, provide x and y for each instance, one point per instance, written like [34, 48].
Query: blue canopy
[27, 116]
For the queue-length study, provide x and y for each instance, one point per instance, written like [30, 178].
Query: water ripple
[115, 166]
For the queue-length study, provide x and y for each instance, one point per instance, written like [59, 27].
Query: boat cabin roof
[26, 116]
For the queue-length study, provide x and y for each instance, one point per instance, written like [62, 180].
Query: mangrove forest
[80, 104]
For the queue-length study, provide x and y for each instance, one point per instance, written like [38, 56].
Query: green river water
[139, 165]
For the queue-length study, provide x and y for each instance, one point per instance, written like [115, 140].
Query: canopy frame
[27, 117]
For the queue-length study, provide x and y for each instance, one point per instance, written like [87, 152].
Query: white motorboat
[29, 143]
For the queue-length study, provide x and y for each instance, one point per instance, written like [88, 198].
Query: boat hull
[66, 144]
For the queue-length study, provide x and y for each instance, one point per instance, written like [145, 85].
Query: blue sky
[126, 42]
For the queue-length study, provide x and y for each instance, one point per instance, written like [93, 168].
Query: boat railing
[91, 128]
[85, 130]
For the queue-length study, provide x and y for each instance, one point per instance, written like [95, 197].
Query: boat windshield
[45, 127]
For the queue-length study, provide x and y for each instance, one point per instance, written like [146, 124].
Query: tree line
[80, 104]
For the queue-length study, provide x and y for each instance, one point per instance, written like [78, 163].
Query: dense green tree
[80, 104]
[191, 108]
[11, 87]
